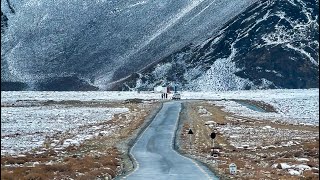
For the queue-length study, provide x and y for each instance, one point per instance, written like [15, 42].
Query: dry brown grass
[97, 157]
[249, 163]
[36, 176]
[311, 145]
[95, 166]
[25, 173]
[45, 157]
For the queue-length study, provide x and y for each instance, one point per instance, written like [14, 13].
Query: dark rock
[65, 84]
[13, 86]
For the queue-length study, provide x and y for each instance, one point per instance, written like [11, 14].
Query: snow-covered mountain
[273, 44]
[70, 45]
[194, 44]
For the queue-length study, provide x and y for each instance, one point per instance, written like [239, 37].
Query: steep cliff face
[99, 42]
[273, 44]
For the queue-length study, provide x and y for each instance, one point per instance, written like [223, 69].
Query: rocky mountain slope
[93, 44]
[273, 44]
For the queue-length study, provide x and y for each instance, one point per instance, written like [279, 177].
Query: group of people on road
[164, 96]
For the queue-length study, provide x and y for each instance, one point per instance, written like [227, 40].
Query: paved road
[154, 152]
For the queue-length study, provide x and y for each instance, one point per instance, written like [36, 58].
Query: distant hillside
[273, 44]
[90, 44]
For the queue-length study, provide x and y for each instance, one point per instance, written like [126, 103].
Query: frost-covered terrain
[24, 96]
[100, 41]
[293, 110]
[25, 122]
[24, 128]
[293, 106]
[249, 137]
[33, 96]
[261, 149]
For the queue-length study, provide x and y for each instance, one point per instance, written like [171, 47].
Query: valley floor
[65, 155]
[261, 149]
[270, 134]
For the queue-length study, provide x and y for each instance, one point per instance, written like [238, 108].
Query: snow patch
[294, 172]
[221, 76]
[302, 159]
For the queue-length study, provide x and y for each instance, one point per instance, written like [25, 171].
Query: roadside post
[190, 136]
[233, 168]
[213, 135]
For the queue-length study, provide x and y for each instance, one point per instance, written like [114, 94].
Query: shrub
[35, 176]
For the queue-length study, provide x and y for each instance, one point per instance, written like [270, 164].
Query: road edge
[132, 141]
[176, 146]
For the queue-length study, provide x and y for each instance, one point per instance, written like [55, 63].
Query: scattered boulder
[284, 166]
[294, 172]
[303, 167]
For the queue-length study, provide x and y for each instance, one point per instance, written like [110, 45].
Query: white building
[161, 89]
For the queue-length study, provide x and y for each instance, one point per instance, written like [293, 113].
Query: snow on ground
[296, 111]
[11, 96]
[300, 108]
[242, 136]
[26, 127]
[254, 94]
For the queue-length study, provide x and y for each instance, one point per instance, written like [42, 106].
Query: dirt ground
[103, 157]
[260, 149]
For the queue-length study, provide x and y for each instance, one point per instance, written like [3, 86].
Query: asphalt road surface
[154, 152]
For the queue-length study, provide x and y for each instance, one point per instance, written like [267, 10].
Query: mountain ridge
[264, 47]
[266, 44]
